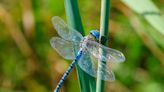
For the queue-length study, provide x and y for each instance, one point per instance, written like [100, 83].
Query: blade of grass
[149, 11]
[87, 83]
[140, 30]
[103, 36]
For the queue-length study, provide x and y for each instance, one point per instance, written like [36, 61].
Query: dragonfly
[84, 51]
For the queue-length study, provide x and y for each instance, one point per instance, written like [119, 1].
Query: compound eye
[91, 33]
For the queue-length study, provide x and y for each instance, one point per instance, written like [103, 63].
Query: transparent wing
[89, 64]
[65, 48]
[108, 54]
[65, 31]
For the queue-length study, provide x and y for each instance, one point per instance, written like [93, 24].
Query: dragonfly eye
[95, 34]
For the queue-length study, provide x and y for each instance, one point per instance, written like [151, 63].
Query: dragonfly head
[95, 34]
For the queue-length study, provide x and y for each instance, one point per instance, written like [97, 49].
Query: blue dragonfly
[83, 50]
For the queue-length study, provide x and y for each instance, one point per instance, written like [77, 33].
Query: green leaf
[87, 83]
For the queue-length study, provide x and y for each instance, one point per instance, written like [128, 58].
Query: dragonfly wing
[65, 31]
[89, 64]
[104, 70]
[65, 48]
[86, 64]
[108, 54]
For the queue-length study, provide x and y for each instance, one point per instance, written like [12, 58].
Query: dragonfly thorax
[93, 36]
[84, 41]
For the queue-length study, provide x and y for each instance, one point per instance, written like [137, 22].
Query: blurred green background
[29, 64]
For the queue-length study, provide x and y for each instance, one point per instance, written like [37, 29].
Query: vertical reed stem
[87, 83]
[103, 39]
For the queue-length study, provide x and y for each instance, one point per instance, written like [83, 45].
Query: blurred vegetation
[29, 64]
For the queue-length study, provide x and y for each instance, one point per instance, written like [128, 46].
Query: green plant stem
[87, 83]
[73, 15]
[103, 40]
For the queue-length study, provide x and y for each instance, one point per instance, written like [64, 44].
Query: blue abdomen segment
[79, 54]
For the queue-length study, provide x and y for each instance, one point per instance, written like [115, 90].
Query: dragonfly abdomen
[68, 70]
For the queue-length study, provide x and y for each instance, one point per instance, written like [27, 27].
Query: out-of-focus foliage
[29, 64]
[149, 11]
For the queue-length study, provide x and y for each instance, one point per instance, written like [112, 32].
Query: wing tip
[55, 18]
[52, 40]
[122, 59]
[58, 23]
